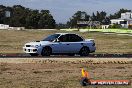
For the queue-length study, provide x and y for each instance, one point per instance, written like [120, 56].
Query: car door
[61, 46]
[75, 43]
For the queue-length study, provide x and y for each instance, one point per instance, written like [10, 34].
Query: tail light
[93, 42]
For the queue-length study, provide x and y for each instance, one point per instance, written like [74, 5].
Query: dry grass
[12, 41]
[60, 75]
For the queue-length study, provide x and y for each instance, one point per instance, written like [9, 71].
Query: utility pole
[90, 23]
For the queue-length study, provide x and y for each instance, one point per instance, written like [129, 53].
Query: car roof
[64, 33]
[68, 33]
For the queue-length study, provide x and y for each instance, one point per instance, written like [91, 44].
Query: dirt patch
[60, 74]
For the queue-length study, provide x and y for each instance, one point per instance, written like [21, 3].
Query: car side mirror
[57, 40]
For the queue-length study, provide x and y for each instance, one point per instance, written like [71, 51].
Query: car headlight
[36, 46]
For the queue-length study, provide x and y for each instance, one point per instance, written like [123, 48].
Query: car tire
[46, 51]
[33, 54]
[71, 54]
[84, 51]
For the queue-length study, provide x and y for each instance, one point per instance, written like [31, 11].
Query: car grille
[28, 45]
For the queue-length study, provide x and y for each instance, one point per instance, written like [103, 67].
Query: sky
[62, 10]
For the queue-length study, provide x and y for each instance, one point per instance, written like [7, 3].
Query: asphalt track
[22, 55]
[92, 58]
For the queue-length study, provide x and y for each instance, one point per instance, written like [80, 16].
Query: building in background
[4, 26]
[125, 21]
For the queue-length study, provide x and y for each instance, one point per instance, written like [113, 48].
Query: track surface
[96, 58]
[18, 55]
[66, 60]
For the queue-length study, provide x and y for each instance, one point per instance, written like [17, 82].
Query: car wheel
[33, 54]
[71, 54]
[46, 51]
[84, 51]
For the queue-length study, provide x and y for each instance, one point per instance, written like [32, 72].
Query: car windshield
[52, 37]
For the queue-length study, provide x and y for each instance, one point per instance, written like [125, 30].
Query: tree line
[102, 17]
[25, 17]
[41, 19]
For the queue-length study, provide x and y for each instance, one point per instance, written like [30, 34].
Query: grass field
[57, 74]
[103, 30]
[12, 41]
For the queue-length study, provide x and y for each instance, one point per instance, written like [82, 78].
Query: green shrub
[115, 26]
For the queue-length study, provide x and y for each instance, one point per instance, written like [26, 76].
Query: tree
[114, 26]
[25, 17]
[2, 13]
[93, 17]
[100, 16]
[77, 17]
[32, 19]
[106, 21]
[18, 17]
[46, 20]
[118, 14]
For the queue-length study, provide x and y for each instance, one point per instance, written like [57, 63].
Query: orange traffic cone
[85, 78]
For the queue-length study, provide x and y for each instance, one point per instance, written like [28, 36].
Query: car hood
[39, 43]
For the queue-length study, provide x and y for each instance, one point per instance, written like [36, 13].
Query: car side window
[63, 38]
[74, 38]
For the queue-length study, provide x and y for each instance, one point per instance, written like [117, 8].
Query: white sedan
[61, 43]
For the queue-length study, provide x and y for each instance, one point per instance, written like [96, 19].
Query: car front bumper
[93, 49]
[30, 50]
